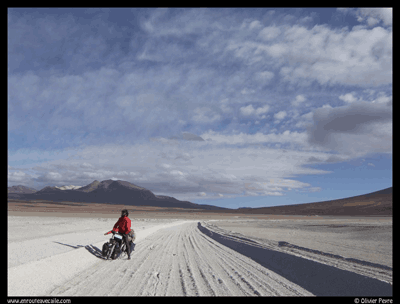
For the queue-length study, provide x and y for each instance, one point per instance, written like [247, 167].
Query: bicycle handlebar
[113, 232]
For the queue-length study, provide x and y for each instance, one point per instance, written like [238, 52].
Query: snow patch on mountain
[70, 187]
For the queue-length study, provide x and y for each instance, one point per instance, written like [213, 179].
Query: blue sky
[232, 107]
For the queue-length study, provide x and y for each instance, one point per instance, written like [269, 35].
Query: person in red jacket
[123, 226]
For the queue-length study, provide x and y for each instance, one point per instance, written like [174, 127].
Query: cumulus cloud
[349, 97]
[269, 33]
[372, 16]
[205, 115]
[280, 115]
[246, 91]
[250, 110]
[298, 100]
[372, 97]
[375, 15]
[305, 120]
[255, 25]
[17, 176]
[323, 54]
[50, 176]
[262, 110]
[225, 108]
[382, 98]
[150, 100]
[264, 77]
[111, 103]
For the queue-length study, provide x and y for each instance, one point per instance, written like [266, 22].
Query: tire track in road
[180, 261]
[189, 262]
[195, 258]
[146, 273]
[250, 277]
[256, 275]
[198, 258]
[205, 247]
[158, 247]
[320, 274]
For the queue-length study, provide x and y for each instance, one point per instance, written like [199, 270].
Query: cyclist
[123, 226]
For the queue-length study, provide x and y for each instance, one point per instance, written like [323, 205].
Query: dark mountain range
[20, 189]
[122, 192]
[110, 192]
[375, 203]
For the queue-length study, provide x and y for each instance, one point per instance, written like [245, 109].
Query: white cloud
[250, 110]
[371, 165]
[280, 115]
[375, 15]
[305, 120]
[269, 33]
[371, 15]
[287, 137]
[92, 175]
[225, 108]
[214, 167]
[264, 77]
[369, 91]
[329, 56]
[352, 98]
[298, 101]
[54, 175]
[177, 173]
[86, 165]
[134, 100]
[262, 110]
[17, 176]
[349, 97]
[255, 25]
[247, 91]
[205, 115]
[382, 98]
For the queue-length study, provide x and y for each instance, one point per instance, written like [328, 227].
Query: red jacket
[123, 225]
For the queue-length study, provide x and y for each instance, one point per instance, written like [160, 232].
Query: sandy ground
[61, 256]
[367, 239]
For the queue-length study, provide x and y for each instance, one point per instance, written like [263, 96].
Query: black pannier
[106, 247]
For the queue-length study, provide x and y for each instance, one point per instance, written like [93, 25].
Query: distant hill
[110, 192]
[375, 203]
[20, 189]
[123, 192]
[90, 187]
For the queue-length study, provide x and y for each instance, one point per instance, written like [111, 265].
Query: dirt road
[180, 261]
[189, 258]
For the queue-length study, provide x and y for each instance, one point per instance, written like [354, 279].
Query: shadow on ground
[317, 278]
[91, 248]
